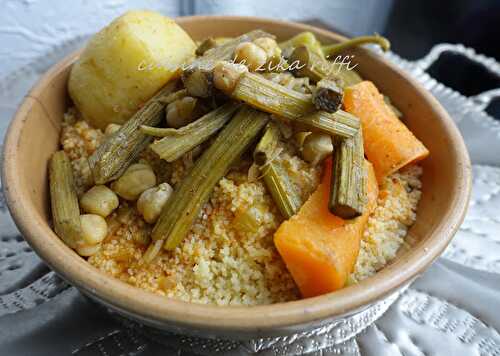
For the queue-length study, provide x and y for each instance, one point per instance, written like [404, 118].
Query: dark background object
[494, 109]
[414, 27]
[463, 75]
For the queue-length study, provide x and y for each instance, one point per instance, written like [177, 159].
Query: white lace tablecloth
[453, 309]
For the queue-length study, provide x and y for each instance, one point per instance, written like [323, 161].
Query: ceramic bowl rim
[149, 306]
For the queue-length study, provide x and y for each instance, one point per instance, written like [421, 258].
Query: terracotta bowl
[33, 136]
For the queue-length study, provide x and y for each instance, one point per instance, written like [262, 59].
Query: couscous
[280, 202]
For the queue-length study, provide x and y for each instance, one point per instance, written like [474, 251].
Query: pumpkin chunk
[319, 248]
[389, 144]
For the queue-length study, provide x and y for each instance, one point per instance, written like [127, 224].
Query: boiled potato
[125, 64]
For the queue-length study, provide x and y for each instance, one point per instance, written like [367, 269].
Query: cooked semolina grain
[216, 263]
[388, 224]
[222, 260]
[79, 140]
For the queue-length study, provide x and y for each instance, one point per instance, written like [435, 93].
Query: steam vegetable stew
[230, 171]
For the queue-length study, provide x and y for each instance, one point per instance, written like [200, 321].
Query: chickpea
[94, 229]
[270, 46]
[172, 116]
[88, 250]
[152, 200]
[251, 55]
[316, 147]
[226, 75]
[99, 200]
[186, 106]
[181, 112]
[136, 179]
[111, 129]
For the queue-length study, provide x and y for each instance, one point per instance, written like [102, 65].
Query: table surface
[452, 309]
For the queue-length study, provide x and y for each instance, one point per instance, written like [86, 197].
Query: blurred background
[32, 28]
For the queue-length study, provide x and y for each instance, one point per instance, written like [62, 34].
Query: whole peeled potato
[125, 64]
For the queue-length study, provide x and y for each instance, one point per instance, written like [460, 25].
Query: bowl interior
[33, 137]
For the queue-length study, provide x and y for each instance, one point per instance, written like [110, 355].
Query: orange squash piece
[319, 248]
[389, 144]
